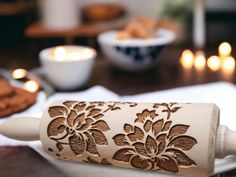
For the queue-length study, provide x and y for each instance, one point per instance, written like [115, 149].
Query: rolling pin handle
[225, 142]
[24, 129]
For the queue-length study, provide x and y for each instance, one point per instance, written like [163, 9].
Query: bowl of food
[136, 47]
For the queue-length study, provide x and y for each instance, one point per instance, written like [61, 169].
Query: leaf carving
[137, 162]
[56, 126]
[137, 135]
[178, 129]
[98, 116]
[157, 126]
[156, 105]
[120, 140]
[166, 126]
[181, 158]
[80, 106]
[123, 155]
[91, 146]
[99, 103]
[101, 125]
[55, 111]
[90, 107]
[140, 148]
[161, 141]
[147, 125]
[151, 145]
[69, 104]
[99, 137]
[175, 109]
[94, 112]
[128, 128]
[171, 104]
[183, 142]
[77, 144]
[115, 108]
[132, 104]
[78, 120]
[59, 146]
[145, 114]
[168, 163]
[71, 117]
[85, 125]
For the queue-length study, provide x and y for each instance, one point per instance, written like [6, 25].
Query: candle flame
[31, 86]
[225, 49]
[214, 63]
[19, 73]
[187, 59]
[228, 64]
[200, 61]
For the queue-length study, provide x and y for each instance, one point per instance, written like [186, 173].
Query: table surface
[167, 74]
[37, 30]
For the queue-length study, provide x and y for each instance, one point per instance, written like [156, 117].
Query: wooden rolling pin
[164, 137]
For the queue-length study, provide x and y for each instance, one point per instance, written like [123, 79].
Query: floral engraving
[153, 142]
[80, 126]
[104, 161]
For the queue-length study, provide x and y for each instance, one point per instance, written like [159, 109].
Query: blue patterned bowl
[134, 54]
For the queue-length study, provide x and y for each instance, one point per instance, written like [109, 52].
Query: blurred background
[28, 26]
[191, 42]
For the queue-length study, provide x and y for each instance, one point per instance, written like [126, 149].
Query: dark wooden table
[37, 30]
[166, 74]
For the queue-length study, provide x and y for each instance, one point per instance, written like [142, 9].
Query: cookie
[141, 28]
[20, 100]
[5, 88]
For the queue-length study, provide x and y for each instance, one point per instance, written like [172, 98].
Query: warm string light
[224, 61]
[214, 63]
[200, 61]
[187, 59]
[19, 74]
[29, 83]
[224, 49]
[228, 64]
[31, 86]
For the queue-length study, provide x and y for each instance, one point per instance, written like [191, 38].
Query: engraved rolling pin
[163, 137]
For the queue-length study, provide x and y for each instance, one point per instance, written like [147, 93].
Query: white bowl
[67, 74]
[134, 54]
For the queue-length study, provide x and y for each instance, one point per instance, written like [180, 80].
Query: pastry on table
[140, 28]
[14, 99]
[5, 88]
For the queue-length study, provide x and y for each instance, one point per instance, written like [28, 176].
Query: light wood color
[226, 142]
[178, 138]
[37, 30]
[28, 128]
